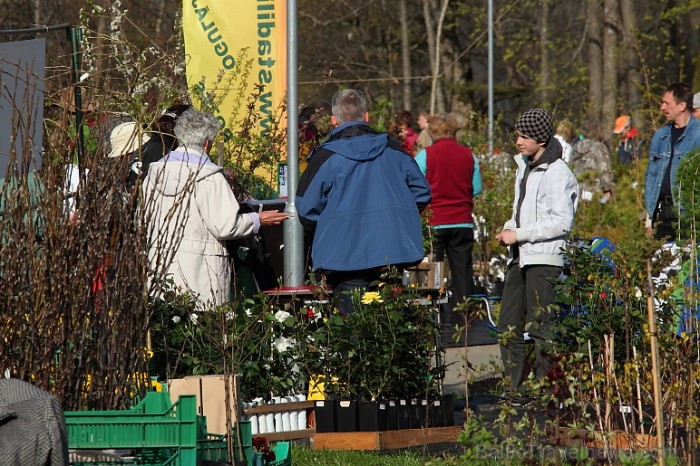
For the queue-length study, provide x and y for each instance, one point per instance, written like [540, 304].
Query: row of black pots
[370, 416]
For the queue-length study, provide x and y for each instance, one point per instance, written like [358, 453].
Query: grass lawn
[304, 456]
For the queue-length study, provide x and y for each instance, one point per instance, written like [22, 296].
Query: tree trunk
[611, 41]
[160, 18]
[390, 57]
[438, 52]
[437, 102]
[689, 26]
[405, 56]
[595, 60]
[632, 80]
[455, 72]
[102, 63]
[545, 75]
[37, 14]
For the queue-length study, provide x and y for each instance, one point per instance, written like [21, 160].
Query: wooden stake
[639, 390]
[608, 368]
[596, 403]
[656, 373]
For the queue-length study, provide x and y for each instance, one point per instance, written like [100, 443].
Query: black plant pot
[346, 416]
[425, 420]
[403, 415]
[437, 415]
[324, 412]
[392, 415]
[415, 417]
[448, 410]
[372, 416]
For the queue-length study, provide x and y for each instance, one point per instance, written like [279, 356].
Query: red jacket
[450, 170]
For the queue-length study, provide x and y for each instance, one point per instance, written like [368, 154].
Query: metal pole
[293, 232]
[73, 34]
[490, 85]
[35, 29]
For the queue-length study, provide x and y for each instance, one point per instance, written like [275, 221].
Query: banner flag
[218, 33]
[22, 103]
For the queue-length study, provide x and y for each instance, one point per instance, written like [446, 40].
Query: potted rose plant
[381, 352]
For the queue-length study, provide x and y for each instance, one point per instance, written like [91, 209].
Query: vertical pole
[293, 233]
[490, 84]
[655, 370]
[74, 36]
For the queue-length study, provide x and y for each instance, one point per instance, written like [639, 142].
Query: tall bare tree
[594, 13]
[545, 72]
[405, 56]
[436, 59]
[37, 12]
[611, 44]
[631, 78]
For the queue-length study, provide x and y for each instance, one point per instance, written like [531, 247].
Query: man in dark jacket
[361, 196]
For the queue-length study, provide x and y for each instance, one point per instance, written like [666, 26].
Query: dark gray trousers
[527, 293]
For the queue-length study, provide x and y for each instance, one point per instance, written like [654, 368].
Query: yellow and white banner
[218, 33]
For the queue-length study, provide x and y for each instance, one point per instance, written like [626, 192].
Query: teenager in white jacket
[543, 213]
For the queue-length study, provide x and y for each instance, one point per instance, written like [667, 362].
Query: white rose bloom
[282, 344]
[281, 316]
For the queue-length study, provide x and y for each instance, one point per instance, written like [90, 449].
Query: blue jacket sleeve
[417, 184]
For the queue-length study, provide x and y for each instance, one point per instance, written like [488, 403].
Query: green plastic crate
[162, 430]
[283, 454]
[212, 448]
[244, 453]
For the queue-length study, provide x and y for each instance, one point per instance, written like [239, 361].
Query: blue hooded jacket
[363, 196]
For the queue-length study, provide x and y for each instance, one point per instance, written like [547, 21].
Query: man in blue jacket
[361, 197]
[668, 148]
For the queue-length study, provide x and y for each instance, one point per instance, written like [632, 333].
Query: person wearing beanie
[696, 105]
[544, 206]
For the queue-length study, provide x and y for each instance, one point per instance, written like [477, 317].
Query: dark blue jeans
[345, 283]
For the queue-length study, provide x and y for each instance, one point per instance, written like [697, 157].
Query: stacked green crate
[162, 433]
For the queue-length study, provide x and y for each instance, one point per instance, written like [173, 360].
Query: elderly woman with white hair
[190, 210]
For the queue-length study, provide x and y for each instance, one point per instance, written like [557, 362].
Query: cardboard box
[425, 276]
[211, 398]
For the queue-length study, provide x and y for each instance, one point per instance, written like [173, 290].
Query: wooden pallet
[613, 439]
[387, 440]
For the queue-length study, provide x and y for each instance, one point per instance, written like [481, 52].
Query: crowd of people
[363, 192]
[360, 224]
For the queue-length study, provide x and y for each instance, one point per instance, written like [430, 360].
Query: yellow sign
[218, 33]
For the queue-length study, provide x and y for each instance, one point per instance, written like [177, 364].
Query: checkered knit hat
[536, 124]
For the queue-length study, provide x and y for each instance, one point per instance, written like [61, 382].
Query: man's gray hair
[349, 105]
[193, 128]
